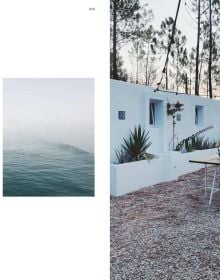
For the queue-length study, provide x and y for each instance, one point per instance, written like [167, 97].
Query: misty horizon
[56, 110]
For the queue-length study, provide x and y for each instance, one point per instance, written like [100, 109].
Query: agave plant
[206, 144]
[197, 142]
[137, 144]
[121, 156]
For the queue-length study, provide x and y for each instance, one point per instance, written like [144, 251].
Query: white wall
[168, 166]
[134, 99]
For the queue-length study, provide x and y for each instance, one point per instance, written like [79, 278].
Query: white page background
[58, 238]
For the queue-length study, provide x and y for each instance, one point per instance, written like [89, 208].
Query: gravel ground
[166, 231]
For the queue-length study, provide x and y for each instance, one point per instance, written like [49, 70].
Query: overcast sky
[163, 9]
[59, 110]
[167, 8]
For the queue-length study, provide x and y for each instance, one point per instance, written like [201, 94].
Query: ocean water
[40, 168]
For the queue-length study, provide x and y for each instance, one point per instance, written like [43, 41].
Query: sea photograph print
[48, 137]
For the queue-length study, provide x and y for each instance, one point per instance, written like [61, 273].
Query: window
[196, 116]
[156, 112]
[152, 113]
[199, 115]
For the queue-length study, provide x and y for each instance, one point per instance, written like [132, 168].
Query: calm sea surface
[47, 169]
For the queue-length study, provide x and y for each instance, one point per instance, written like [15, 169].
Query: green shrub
[197, 143]
[134, 148]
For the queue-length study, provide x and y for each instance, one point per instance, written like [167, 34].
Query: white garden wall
[134, 100]
[168, 166]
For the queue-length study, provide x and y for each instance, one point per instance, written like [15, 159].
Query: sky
[58, 110]
[167, 8]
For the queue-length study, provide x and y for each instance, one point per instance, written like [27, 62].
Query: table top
[209, 160]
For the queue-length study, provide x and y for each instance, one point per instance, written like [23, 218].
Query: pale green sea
[47, 169]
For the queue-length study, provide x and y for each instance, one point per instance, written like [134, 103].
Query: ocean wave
[50, 169]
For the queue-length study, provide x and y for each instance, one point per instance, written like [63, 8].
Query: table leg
[212, 189]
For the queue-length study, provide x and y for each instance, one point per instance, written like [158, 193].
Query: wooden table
[214, 161]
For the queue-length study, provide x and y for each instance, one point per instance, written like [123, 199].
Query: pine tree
[128, 22]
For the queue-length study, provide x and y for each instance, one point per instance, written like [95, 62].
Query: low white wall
[132, 176]
[180, 164]
[169, 166]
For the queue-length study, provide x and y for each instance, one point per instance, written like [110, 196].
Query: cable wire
[170, 43]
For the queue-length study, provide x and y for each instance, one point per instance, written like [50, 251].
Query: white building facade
[133, 104]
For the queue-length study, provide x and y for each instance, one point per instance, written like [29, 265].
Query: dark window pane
[152, 113]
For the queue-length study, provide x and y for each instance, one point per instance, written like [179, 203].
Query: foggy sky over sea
[56, 110]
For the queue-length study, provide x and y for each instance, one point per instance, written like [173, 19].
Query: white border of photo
[58, 238]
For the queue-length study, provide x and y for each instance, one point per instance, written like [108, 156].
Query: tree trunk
[166, 78]
[137, 72]
[146, 71]
[197, 50]
[190, 81]
[210, 49]
[177, 70]
[207, 88]
[137, 62]
[114, 54]
[186, 84]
